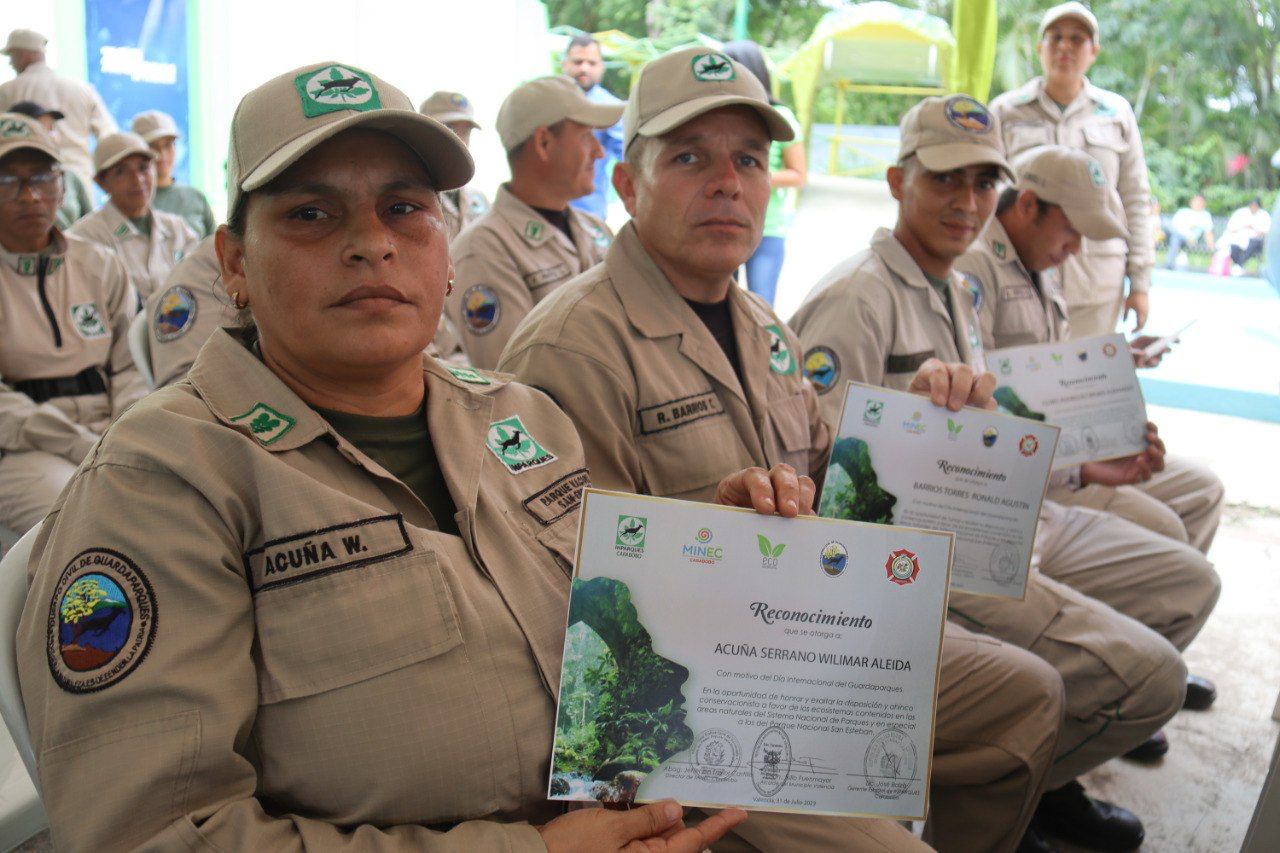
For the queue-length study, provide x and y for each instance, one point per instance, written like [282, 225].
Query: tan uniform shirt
[462, 207]
[81, 320]
[658, 406]
[148, 259]
[307, 661]
[509, 260]
[1013, 309]
[1102, 124]
[84, 112]
[184, 313]
[875, 318]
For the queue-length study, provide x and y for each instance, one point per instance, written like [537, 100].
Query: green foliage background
[1202, 77]
[852, 488]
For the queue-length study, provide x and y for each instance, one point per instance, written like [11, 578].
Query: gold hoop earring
[448, 291]
[235, 300]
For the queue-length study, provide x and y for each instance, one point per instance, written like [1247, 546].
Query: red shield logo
[902, 567]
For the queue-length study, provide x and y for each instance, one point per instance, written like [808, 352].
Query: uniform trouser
[1090, 319]
[999, 711]
[1122, 680]
[1183, 502]
[30, 481]
[1165, 584]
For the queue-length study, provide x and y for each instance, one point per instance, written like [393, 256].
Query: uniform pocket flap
[1107, 136]
[331, 630]
[1024, 136]
[791, 420]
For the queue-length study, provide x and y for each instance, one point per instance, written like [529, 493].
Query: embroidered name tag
[907, 362]
[307, 556]
[538, 278]
[558, 499]
[680, 412]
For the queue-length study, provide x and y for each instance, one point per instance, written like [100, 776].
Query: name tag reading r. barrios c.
[312, 554]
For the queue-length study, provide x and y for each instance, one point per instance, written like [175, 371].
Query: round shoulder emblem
[822, 368]
[480, 309]
[102, 620]
[968, 114]
[175, 314]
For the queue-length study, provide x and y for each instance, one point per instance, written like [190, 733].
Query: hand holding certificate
[1086, 387]
[723, 657]
[897, 459]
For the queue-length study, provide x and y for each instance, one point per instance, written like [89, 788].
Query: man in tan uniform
[65, 306]
[274, 633]
[464, 205]
[84, 113]
[675, 377]
[148, 241]
[1061, 198]
[1064, 108]
[160, 131]
[884, 310]
[185, 313]
[531, 241]
[76, 202]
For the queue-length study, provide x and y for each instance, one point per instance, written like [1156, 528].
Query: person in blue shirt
[584, 62]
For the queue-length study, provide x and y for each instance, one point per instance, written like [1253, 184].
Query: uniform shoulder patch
[510, 441]
[102, 619]
[822, 368]
[780, 358]
[266, 424]
[88, 321]
[557, 500]
[477, 204]
[175, 315]
[481, 309]
[975, 289]
[469, 375]
[533, 230]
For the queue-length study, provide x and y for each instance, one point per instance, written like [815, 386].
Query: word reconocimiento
[762, 611]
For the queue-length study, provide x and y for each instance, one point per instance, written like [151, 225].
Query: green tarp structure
[882, 48]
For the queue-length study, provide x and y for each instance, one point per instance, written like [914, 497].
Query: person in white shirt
[1189, 225]
[1245, 231]
[84, 113]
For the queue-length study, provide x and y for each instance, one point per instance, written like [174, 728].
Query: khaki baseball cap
[450, 107]
[545, 101]
[277, 123]
[118, 146]
[153, 125]
[681, 85]
[18, 131]
[1070, 10]
[24, 40]
[952, 132]
[1074, 181]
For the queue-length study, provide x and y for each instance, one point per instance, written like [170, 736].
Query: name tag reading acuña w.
[315, 553]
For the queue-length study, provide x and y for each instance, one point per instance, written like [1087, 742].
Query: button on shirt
[325, 668]
[659, 407]
[507, 261]
[148, 258]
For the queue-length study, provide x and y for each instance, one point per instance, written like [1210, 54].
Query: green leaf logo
[263, 423]
[953, 427]
[768, 549]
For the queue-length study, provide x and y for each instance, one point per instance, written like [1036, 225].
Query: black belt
[87, 381]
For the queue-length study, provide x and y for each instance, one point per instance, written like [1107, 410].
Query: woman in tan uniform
[334, 614]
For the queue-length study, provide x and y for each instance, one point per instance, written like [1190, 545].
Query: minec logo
[914, 425]
[872, 413]
[334, 88]
[702, 551]
[769, 552]
[629, 538]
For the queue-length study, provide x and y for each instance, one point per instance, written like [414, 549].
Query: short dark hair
[514, 153]
[584, 40]
[748, 54]
[1010, 195]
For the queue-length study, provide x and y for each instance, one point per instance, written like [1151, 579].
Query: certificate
[727, 658]
[899, 459]
[1086, 387]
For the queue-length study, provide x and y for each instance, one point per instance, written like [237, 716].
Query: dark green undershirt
[142, 223]
[403, 446]
[944, 290]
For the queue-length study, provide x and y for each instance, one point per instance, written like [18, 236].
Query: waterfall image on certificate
[852, 489]
[1012, 403]
[623, 707]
